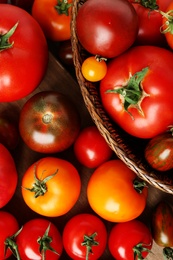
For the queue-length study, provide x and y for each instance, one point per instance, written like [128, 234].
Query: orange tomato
[94, 69]
[54, 18]
[51, 186]
[114, 192]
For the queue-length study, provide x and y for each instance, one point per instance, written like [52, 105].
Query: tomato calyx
[167, 27]
[138, 249]
[44, 243]
[4, 39]
[139, 185]
[132, 94]
[11, 244]
[151, 4]
[168, 253]
[40, 187]
[63, 7]
[89, 242]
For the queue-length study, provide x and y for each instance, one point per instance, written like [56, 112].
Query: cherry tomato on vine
[54, 17]
[8, 176]
[51, 186]
[94, 68]
[159, 152]
[130, 240]
[9, 227]
[49, 122]
[111, 189]
[85, 237]
[39, 239]
[91, 148]
[24, 53]
[108, 28]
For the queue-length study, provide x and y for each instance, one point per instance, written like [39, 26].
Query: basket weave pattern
[121, 143]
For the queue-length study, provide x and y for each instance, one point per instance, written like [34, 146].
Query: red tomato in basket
[167, 22]
[49, 122]
[54, 17]
[130, 240]
[39, 239]
[91, 148]
[150, 21]
[51, 186]
[159, 152]
[111, 190]
[162, 224]
[107, 28]
[85, 237]
[137, 88]
[8, 176]
[24, 53]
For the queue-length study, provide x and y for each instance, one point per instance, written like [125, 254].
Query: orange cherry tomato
[94, 69]
[51, 186]
[115, 193]
[54, 18]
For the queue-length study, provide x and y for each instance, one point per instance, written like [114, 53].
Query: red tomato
[167, 22]
[125, 247]
[106, 29]
[159, 152]
[49, 122]
[51, 186]
[133, 91]
[162, 224]
[39, 239]
[24, 53]
[9, 134]
[54, 17]
[112, 188]
[25, 4]
[8, 176]
[85, 237]
[150, 21]
[9, 227]
[90, 148]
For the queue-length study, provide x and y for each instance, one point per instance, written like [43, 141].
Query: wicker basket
[127, 148]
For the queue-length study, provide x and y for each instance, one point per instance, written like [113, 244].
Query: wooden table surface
[57, 78]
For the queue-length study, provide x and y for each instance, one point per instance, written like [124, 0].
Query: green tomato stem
[89, 242]
[62, 7]
[4, 39]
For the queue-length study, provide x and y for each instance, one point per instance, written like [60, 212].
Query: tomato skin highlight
[27, 56]
[125, 236]
[90, 148]
[62, 190]
[159, 152]
[162, 224]
[111, 190]
[107, 28]
[8, 176]
[143, 122]
[27, 240]
[73, 236]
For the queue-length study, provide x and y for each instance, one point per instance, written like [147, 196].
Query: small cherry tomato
[130, 240]
[90, 148]
[94, 68]
[111, 190]
[85, 237]
[51, 186]
[64, 53]
[167, 24]
[39, 239]
[159, 152]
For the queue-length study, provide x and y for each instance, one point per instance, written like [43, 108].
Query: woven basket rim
[111, 134]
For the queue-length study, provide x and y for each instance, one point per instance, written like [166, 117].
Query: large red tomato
[51, 186]
[107, 28]
[54, 17]
[138, 88]
[24, 53]
[49, 122]
[8, 176]
[111, 190]
[150, 21]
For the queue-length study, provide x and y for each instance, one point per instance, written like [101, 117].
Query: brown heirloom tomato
[49, 122]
